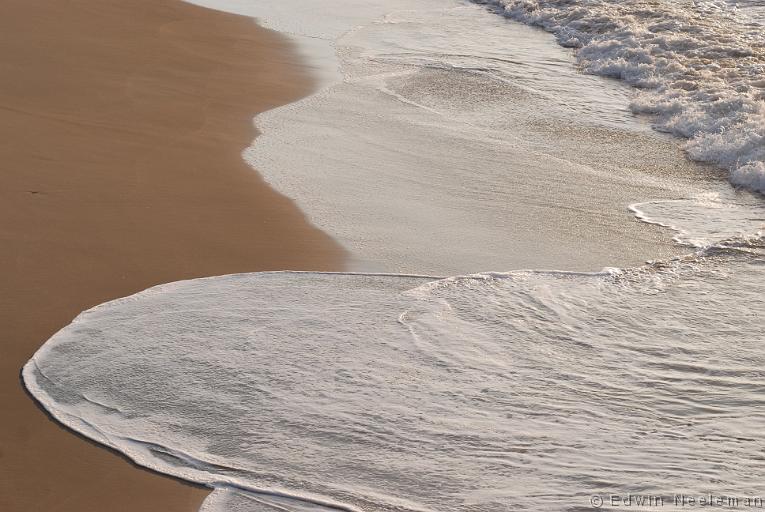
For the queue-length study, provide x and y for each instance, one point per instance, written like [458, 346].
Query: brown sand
[121, 127]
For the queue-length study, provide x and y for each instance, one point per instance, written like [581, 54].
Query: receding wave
[522, 390]
[699, 63]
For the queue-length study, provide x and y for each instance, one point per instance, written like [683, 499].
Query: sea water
[504, 390]
[450, 139]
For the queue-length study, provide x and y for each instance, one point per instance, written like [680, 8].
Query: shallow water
[440, 151]
[487, 392]
[447, 121]
[435, 103]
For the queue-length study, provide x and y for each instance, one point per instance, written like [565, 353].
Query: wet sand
[121, 127]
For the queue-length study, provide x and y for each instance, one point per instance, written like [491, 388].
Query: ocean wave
[489, 392]
[699, 65]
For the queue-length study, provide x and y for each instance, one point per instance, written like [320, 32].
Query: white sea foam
[493, 392]
[700, 65]
[707, 219]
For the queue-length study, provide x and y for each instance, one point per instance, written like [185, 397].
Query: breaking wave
[700, 66]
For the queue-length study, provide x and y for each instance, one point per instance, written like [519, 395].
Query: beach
[121, 128]
[375, 255]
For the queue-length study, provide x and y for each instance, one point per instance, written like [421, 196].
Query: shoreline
[123, 126]
[463, 172]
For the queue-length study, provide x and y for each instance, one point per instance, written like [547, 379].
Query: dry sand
[121, 126]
